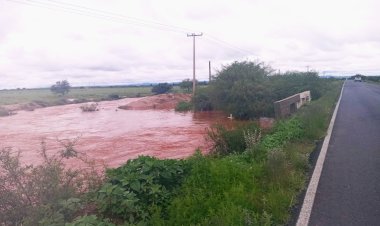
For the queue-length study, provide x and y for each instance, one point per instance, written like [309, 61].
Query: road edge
[304, 216]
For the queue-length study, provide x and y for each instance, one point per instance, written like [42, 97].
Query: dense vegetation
[61, 87]
[248, 89]
[161, 88]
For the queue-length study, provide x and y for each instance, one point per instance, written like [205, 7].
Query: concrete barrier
[285, 107]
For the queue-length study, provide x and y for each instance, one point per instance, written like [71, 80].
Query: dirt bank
[158, 102]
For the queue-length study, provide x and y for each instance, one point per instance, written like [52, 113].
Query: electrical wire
[115, 17]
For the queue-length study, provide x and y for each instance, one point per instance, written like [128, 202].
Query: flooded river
[110, 135]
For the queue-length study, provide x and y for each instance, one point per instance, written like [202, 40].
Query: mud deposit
[111, 135]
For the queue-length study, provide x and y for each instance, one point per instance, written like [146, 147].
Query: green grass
[45, 95]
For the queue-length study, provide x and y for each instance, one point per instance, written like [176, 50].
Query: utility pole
[307, 67]
[194, 35]
[209, 71]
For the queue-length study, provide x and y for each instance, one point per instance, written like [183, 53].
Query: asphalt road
[349, 188]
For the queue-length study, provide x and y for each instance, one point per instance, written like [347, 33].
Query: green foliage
[240, 89]
[161, 88]
[201, 100]
[91, 220]
[226, 141]
[135, 188]
[248, 89]
[187, 85]
[184, 106]
[315, 117]
[61, 87]
[284, 132]
[371, 78]
[290, 83]
[219, 191]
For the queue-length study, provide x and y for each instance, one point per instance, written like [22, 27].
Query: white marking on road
[303, 218]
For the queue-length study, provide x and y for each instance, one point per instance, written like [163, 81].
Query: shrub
[183, 106]
[61, 87]
[89, 107]
[161, 88]
[202, 101]
[47, 194]
[113, 97]
[134, 189]
[226, 141]
[248, 89]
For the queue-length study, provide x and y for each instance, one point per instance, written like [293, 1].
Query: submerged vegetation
[251, 176]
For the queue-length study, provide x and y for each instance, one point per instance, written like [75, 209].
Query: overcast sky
[102, 42]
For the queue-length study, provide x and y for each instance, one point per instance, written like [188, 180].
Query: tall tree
[61, 87]
[186, 84]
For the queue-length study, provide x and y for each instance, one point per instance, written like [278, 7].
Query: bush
[201, 100]
[89, 107]
[113, 97]
[161, 88]
[248, 89]
[47, 194]
[183, 106]
[134, 189]
[227, 141]
[61, 87]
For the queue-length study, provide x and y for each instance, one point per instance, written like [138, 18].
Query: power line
[114, 17]
[226, 44]
[123, 16]
[99, 14]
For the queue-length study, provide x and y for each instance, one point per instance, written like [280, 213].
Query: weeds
[47, 194]
[252, 138]
[227, 141]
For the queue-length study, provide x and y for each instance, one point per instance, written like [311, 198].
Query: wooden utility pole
[194, 35]
[209, 71]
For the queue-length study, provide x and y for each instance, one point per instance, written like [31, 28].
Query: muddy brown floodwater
[109, 136]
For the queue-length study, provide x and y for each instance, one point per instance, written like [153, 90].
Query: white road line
[303, 218]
